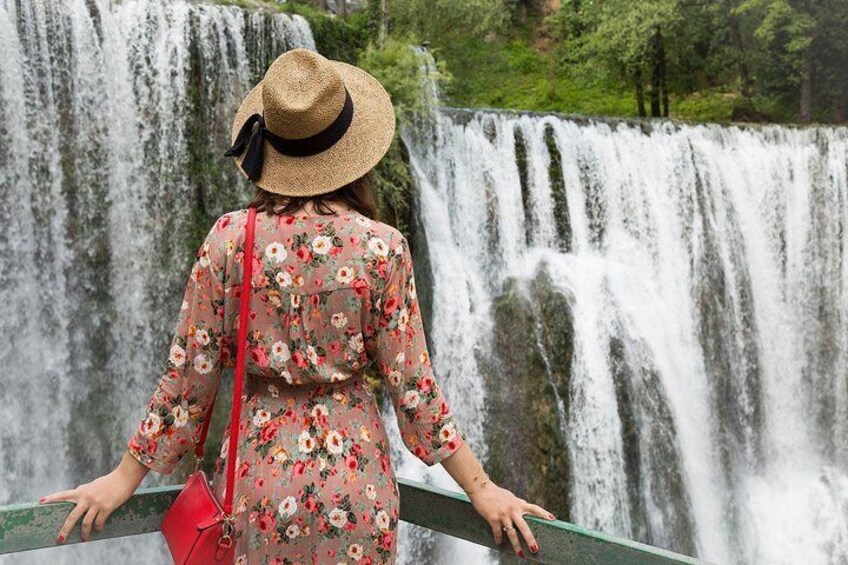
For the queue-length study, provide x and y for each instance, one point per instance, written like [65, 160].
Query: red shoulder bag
[198, 529]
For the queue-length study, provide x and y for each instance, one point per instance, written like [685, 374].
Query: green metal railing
[32, 525]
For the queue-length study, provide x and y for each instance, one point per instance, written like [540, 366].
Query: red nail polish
[534, 548]
[61, 538]
[552, 516]
[42, 499]
[521, 553]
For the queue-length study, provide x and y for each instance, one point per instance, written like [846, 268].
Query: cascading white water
[707, 272]
[114, 117]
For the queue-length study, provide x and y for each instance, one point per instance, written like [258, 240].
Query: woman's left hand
[95, 501]
[502, 509]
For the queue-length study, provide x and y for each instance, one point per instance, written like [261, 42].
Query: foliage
[774, 53]
[622, 32]
[700, 59]
[335, 38]
[802, 43]
[521, 10]
[437, 20]
[511, 74]
[393, 186]
[707, 107]
[781, 19]
[785, 31]
[402, 71]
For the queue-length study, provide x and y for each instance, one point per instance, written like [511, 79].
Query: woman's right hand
[498, 506]
[96, 500]
[501, 508]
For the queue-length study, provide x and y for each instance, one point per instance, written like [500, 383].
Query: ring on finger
[508, 528]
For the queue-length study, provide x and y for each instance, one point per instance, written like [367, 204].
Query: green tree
[403, 72]
[831, 61]
[628, 41]
[440, 20]
[520, 11]
[805, 49]
[716, 59]
[786, 30]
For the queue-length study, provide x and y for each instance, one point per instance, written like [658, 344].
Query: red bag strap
[241, 346]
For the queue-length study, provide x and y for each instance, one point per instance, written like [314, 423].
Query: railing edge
[30, 525]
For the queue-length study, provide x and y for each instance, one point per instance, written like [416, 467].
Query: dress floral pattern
[333, 297]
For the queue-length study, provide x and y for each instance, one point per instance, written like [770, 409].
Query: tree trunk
[840, 110]
[664, 77]
[520, 12]
[342, 6]
[576, 30]
[384, 22]
[736, 36]
[640, 93]
[656, 72]
[805, 112]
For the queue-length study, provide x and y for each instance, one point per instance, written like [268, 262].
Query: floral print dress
[333, 297]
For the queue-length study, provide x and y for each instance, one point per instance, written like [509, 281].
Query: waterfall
[113, 118]
[679, 291]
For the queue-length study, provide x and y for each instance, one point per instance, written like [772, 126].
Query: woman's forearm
[132, 469]
[465, 469]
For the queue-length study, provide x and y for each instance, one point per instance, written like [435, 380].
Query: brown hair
[357, 194]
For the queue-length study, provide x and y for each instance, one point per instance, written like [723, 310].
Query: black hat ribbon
[312, 145]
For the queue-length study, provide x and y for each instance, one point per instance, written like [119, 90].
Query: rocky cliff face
[527, 369]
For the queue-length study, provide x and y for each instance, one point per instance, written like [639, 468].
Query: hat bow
[303, 147]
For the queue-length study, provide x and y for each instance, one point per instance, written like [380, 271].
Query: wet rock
[526, 371]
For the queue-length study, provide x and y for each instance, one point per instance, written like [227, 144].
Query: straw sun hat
[311, 125]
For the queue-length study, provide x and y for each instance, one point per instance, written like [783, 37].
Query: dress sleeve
[399, 350]
[176, 411]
